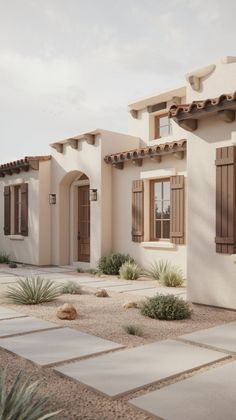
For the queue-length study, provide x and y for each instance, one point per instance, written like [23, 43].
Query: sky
[69, 66]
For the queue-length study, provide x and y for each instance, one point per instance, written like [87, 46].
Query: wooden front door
[83, 224]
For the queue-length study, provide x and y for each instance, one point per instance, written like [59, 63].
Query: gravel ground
[103, 317]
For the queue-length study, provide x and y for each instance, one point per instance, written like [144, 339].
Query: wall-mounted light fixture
[52, 198]
[93, 194]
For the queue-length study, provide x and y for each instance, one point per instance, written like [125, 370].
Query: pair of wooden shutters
[8, 210]
[226, 200]
[177, 210]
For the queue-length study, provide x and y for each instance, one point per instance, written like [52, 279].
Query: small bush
[93, 271]
[4, 258]
[79, 270]
[172, 278]
[112, 263]
[133, 329]
[168, 307]
[20, 401]
[33, 290]
[12, 265]
[130, 271]
[157, 268]
[72, 288]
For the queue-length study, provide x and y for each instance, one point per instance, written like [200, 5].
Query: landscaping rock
[67, 311]
[129, 305]
[101, 293]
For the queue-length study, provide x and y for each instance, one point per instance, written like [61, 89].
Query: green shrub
[112, 263]
[72, 288]
[130, 271]
[157, 268]
[91, 271]
[79, 270]
[21, 402]
[4, 258]
[166, 307]
[172, 277]
[33, 290]
[133, 329]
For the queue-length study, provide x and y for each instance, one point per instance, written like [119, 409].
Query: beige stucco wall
[34, 248]
[122, 213]
[66, 167]
[211, 276]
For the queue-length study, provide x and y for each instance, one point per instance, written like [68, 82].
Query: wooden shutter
[226, 200]
[24, 209]
[7, 211]
[177, 213]
[137, 211]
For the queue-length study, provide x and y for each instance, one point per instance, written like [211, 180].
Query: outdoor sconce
[93, 194]
[52, 198]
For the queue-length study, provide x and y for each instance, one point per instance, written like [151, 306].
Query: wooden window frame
[157, 125]
[17, 209]
[152, 218]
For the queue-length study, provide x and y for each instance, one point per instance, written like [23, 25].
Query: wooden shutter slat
[137, 211]
[7, 210]
[177, 209]
[24, 209]
[226, 200]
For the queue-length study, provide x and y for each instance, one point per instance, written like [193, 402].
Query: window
[163, 126]
[160, 209]
[16, 210]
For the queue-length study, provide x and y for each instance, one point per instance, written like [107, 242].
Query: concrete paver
[23, 325]
[117, 373]
[205, 396]
[221, 337]
[50, 347]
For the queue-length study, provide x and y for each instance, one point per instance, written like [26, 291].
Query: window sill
[158, 244]
[16, 237]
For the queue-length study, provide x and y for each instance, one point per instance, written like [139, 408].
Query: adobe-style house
[167, 190]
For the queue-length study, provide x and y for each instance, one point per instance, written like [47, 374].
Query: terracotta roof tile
[183, 109]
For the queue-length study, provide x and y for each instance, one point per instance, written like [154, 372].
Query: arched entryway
[74, 215]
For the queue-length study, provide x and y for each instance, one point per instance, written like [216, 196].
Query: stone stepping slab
[222, 337]
[105, 284]
[153, 291]
[8, 279]
[129, 287]
[54, 346]
[28, 324]
[127, 370]
[205, 396]
[7, 313]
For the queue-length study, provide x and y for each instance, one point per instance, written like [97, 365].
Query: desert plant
[93, 271]
[79, 270]
[71, 288]
[20, 401]
[168, 307]
[33, 290]
[112, 263]
[133, 329]
[12, 265]
[130, 271]
[4, 258]
[173, 277]
[157, 268]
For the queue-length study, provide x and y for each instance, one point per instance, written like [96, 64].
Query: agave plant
[33, 290]
[21, 402]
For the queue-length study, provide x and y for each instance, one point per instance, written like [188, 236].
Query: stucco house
[166, 190]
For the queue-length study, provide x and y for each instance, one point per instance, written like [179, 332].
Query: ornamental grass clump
[157, 268]
[72, 288]
[165, 307]
[133, 329]
[33, 290]
[4, 258]
[173, 277]
[130, 271]
[21, 402]
[111, 264]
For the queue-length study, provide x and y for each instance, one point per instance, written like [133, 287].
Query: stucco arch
[65, 216]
